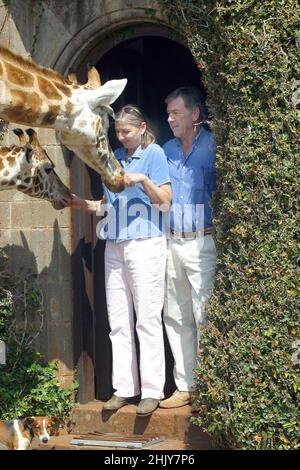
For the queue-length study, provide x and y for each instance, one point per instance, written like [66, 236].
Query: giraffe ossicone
[28, 169]
[40, 97]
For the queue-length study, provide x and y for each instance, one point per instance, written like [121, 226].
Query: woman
[135, 257]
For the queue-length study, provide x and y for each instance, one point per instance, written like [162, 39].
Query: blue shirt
[130, 213]
[193, 180]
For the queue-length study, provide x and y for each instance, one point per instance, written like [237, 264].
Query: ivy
[247, 381]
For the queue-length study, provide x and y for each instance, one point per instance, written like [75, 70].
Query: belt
[191, 235]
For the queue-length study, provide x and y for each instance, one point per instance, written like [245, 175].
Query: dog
[18, 434]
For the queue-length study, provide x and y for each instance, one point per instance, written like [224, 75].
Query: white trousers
[189, 282]
[134, 277]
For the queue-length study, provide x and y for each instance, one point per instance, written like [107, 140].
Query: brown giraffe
[28, 168]
[40, 97]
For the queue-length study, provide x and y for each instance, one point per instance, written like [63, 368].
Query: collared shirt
[130, 213]
[193, 180]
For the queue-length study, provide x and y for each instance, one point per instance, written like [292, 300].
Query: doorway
[154, 66]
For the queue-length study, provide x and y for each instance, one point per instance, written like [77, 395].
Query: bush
[28, 385]
[247, 382]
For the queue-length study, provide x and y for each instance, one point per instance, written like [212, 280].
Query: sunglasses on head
[129, 109]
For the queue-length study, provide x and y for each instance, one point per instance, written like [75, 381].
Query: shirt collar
[137, 154]
[195, 139]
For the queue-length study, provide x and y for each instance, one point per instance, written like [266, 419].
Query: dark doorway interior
[154, 66]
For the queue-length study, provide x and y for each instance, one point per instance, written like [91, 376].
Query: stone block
[8, 195]
[5, 218]
[60, 343]
[34, 214]
[57, 156]
[58, 300]
[46, 137]
[5, 238]
[65, 381]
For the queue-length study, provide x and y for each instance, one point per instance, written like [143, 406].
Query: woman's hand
[130, 179]
[160, 196]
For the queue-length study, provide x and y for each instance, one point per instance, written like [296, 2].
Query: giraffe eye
[48, 169]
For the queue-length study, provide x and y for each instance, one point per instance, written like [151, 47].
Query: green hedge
[248, 52]
[28, 384]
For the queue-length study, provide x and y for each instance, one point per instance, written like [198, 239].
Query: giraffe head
[87, 137]
[40, 97]
[28, 168]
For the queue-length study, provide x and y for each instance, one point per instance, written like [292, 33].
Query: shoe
[147, 406]
[177, 399]
[114, 403]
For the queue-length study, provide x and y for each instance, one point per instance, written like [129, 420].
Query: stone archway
[158, 56]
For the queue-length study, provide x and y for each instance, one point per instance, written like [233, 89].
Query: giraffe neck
[30, 94]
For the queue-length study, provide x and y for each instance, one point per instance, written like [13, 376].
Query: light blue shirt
[130, 213]
[193, 180]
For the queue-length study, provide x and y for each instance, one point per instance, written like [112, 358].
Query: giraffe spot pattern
[19, 76]
[51, 115]
[48, 89]
[69, 109]
[64, 89]
[11, 161]
[26, 106]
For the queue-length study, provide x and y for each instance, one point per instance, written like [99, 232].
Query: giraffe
[28, 168]
[40, 97]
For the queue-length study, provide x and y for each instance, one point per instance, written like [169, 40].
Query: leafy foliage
[28, 385]
[247, 383]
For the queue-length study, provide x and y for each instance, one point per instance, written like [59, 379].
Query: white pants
[134, 277]
[189, 282]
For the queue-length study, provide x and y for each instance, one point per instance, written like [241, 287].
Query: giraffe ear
[21, 136]
[94, 80]
[33, 140]
[106, 94]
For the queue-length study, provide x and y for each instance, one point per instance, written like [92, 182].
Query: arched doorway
[154, 66]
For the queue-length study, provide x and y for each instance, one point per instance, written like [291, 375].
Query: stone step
[172, 424]
[63, 442]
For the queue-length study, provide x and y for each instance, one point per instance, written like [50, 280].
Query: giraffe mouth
[58, 205]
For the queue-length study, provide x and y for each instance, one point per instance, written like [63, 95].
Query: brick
[5, 217]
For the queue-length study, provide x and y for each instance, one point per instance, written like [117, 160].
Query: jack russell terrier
[18, 434]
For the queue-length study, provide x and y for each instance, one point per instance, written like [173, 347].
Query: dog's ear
[28, 422]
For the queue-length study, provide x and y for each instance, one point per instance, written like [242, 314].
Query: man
[191, 247]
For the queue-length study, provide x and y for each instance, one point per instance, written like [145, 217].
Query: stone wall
[59, 35]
